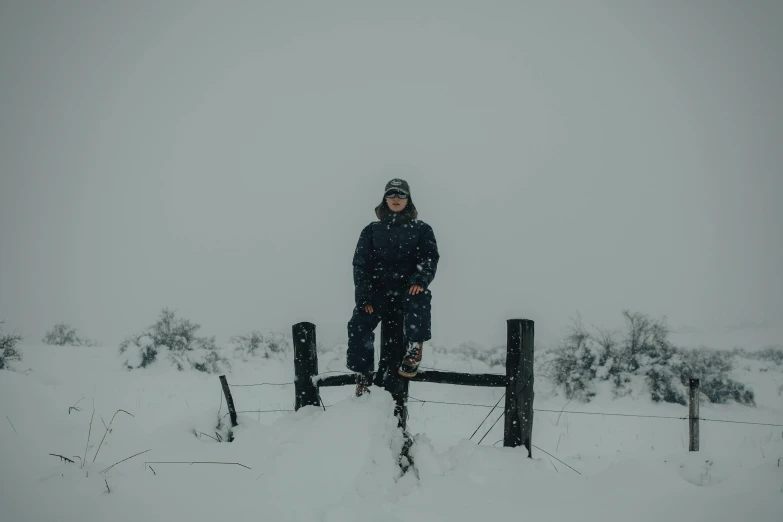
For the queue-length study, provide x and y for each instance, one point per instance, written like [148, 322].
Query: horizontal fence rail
[494, 380]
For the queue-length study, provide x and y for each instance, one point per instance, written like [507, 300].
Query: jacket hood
[404, 216]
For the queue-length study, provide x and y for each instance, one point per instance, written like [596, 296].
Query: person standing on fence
[393, 265]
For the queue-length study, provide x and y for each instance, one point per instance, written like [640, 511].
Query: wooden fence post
[305, 365]
[519, 390]
[392, 352]
[229, 400]
[693, 415]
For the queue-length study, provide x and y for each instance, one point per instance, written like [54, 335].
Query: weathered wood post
[229, 400]
[693, 415]
[392, 352]
[305, 365]
[519, 388]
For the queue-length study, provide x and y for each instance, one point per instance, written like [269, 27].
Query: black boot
[410, 363]
[363, 382]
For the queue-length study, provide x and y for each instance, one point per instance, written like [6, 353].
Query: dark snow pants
[389, 304]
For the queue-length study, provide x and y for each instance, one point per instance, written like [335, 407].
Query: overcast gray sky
[221, 158]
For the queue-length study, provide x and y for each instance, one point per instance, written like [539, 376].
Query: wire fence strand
[488, 414]
[452, 403]
[557, 459]
[544, 410]
[741, 422]
[425, 401]
[492, 408]
[611, 414]
[493, 425]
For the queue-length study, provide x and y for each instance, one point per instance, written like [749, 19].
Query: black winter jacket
[394, 252]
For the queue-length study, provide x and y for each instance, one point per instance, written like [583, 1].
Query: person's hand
[415, 289]
[368, 308]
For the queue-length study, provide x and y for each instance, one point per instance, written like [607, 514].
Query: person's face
[396, 201]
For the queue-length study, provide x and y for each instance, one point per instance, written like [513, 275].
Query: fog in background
[221, 158]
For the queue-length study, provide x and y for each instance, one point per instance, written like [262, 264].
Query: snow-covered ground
[339, 464]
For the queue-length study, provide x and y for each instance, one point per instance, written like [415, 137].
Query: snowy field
[339, 464]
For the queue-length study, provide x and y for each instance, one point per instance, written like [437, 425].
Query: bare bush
[646, 352]
[8, 350]
[578, 361]
[495, 356]
[773, 354]
[257, 344]
[63, 334]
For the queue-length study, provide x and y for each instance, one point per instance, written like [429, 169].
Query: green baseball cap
[398, 184]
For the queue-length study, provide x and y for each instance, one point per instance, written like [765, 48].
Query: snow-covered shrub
[772, 354]
[204, 357]
[712, 368]
[643, 354]
[490, 356]
[581, 358]
[645, 351]
[175, 333]
[8, 350]
[257, 344]
[139, 351]
[176, 339]
[63, 334]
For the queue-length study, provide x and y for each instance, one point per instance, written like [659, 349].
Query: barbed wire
[493, 425]
[488, 414]
[493, 409]
[741, 422]
[424, 401]
[612, 414]
[452, 403]
[545, 451]
[663, 417]
[557, 459]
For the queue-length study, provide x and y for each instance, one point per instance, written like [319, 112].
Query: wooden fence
[518, 380]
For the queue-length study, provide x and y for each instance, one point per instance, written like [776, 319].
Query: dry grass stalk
[107, 431]
[74, 406]
[197, 462]
[123, 460]
[210, 436]
[66, 459]
[88, 437]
